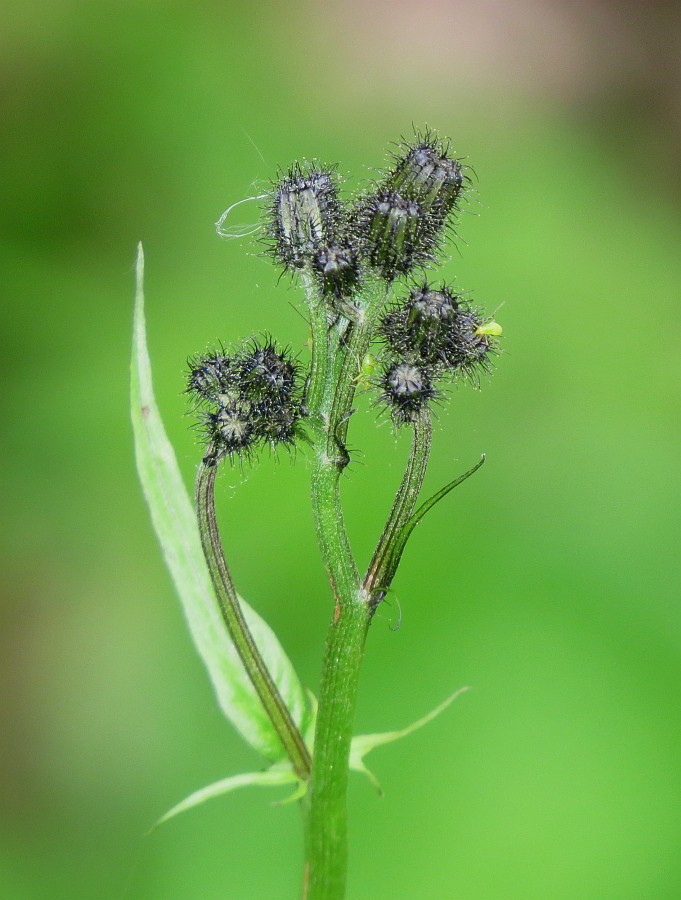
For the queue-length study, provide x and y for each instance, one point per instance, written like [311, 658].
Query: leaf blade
[270, 778]
[365, 743]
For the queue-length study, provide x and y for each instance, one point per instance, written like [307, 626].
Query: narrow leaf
[365, 743]
[404, 535]
[175, 523]
[270, 778]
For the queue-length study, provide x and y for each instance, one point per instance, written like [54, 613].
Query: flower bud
[303, 215]
[395, 235]
[251, 398]
[439, 330]
[407, 390]
[338, 270]
[210, 376]
[427, 173]
[266, 372]
[230, 429]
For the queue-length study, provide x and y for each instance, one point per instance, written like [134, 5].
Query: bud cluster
[400, 227]
[432, 335]
[249, 399]
[393, 229]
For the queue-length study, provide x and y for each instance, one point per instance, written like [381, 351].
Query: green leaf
[404, 535]
[175, 523]
[365, 743]
[270, 778]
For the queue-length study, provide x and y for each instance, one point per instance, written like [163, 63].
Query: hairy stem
[325, 804]
[232, 614]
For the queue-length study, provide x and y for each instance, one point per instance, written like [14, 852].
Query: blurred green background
[549, 583]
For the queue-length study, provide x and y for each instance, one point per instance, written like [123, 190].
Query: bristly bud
[426, 171]
[266, 372]
[250, 399]
[230, 428]
[407, 391]
[395, 235]
[338, 270]
[304, 215]
[437, 329]
[210, 376]
[401, 227]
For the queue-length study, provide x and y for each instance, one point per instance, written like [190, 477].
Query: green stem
[325, 804]
[326, 843]
[384, 562]
[239, 632]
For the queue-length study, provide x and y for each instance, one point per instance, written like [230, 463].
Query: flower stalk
[233, 616]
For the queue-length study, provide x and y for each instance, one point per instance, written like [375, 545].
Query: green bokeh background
[549, 583]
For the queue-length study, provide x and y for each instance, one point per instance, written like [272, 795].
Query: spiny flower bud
[437, 329]
[395, 235]
[407, 390]
[267, 372]
[251, 398]
[426, 172]
[401, 227]
[338, 270]
[304, 215]
[210, 376]
[231, 427]
[431, 308]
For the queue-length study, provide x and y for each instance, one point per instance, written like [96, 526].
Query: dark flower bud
[304, 215]
[431, 308]
[439, 330]
[278, 426]
[210, 376]
[266, 372]
[407, 390]
[395, 235]
[426, 172]
[419, 327]
[471, 342]
[230, 429]
[252, 398]
[337, 267]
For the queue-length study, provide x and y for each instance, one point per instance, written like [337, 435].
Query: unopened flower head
[304, 215]
[251, 398]
[426, 171]
[394, 233]
[407, 391]
[440, 331]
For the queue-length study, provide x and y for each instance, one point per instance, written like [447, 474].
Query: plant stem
[384, 562]
[325, 805]
[232, 614]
